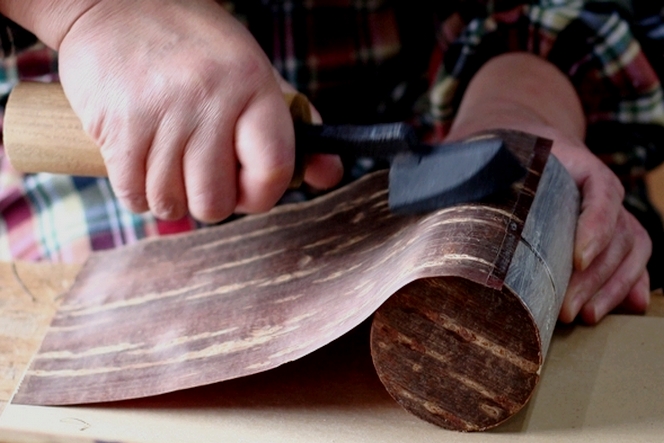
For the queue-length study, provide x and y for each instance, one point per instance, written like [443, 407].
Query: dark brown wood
[465, 355]
[456, 353]
[247, 296]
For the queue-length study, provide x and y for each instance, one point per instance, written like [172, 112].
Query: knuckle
[268, 189]
[618, 188]
[645, 244]
[596, 231]
[641, 242]
[166, 207]
[276, 175]
[595, 279]
[208, 208]
[634, 236]
[115, 156]
[124, 187]
[94, 125]
[134, 200]
[255, 69]
[640, 232]
[620, 286]
[615, 188]
[209, 74]
[605, 230]
[201, 79]
[279, 159]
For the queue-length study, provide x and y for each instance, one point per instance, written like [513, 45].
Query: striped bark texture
[472, 295]
[465, 354]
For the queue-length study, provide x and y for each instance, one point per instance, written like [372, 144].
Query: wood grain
[28, 302]
[42, 133]
[466, 355]
[244, 297]
[36, 437]
[599, 384]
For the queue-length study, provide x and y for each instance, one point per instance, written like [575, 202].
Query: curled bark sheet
[247, 296]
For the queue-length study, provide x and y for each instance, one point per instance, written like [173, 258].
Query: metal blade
[452, 173]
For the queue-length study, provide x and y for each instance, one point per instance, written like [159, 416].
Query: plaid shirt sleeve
[611, 50]
[594, 42]
[364, 61]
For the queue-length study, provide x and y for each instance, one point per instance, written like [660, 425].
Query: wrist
[491, 114]
[523, 92]
[49, 20]
[510, 116]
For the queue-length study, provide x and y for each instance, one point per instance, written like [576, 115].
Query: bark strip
[455, 335]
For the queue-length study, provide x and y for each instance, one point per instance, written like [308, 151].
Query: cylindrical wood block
[467, 356]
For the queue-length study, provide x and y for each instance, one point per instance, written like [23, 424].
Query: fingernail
[170, 210]
[599, 308]
[570, 310]
[597, 314]
[587, 256]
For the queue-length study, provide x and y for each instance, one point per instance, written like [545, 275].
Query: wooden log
[465, 355]
[475, 283]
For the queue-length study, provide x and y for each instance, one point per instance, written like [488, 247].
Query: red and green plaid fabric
[363, 61]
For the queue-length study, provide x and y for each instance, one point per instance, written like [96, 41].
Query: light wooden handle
[43, 134]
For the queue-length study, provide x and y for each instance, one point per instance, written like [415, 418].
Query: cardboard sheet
[28, 300]
[603, 384]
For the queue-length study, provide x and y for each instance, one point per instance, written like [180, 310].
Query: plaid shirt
[364, 61]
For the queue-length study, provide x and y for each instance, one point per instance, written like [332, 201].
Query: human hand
[185, 106]
[611, 248]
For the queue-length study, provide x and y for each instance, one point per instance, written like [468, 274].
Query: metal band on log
[473, 293]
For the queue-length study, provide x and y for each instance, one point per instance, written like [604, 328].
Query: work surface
[603, 383]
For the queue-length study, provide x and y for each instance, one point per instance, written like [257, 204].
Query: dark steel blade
[422, 177]
[451, 174]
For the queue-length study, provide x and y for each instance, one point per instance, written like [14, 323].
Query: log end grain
[457, 354]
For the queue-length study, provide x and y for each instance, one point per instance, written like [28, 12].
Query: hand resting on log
[524, 92]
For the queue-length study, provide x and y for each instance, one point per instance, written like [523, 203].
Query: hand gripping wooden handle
[43, 134]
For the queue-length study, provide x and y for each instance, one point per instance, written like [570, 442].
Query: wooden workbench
[603, 383]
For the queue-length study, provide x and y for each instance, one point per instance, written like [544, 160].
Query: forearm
[520, 91]
[524, 92]
[50, 20]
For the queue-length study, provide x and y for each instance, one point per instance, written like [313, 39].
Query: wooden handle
[43, 134]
